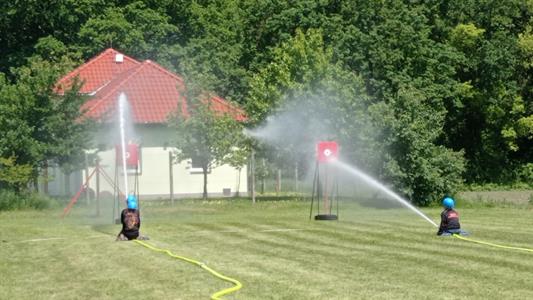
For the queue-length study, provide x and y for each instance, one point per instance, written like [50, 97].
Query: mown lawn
[272, 248]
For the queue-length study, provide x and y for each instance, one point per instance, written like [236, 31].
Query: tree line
[426, 95]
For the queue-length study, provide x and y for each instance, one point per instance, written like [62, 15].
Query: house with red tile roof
[152, 94]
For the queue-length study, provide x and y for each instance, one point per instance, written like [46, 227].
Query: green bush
[14, 175]
[10, 200]
[526, 173]
[497, 187]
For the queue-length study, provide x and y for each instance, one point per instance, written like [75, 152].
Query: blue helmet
[131, 202]
[448, 202]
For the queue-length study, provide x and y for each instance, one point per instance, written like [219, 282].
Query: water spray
[122, 101]
[354, 171]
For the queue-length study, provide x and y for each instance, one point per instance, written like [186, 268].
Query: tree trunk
[45, 176]
[263, 178]
[204, 168]
[87, 188]
[67, 184]
[36, 181]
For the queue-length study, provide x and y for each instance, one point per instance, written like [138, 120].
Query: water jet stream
[122, 102]
[376, 184]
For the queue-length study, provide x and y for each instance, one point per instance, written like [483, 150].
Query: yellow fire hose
[215, 296]
[491, 244]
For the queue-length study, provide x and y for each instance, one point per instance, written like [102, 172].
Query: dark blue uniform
[131, 222]
[449, 222]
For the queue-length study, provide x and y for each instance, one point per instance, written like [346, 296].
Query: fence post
[296, 177]
[252, 167]
[97, 187]
[87, 187]
[171, 177]
[278, 183]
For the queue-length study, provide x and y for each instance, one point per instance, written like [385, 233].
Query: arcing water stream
[354, 171]
[122, 102]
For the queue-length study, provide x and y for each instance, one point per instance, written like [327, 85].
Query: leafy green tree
[234, 38]
[486, 123]
[215, 47]
[209, 137]
[12, 175]
[23, 23]
[268, 24]
[379, 141]
[37, 124]
[524, 125]
[300, 62]
[418, 167]
[310, 98]
[135, 29]
[469, 61]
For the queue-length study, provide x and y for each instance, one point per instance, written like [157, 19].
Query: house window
[195, 164]
[195, 167]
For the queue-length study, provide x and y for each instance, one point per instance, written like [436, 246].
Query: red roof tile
[98, 71]
[152, 91]
[223, 106]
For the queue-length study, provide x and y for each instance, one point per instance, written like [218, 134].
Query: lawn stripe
[399, 244]
[414, 258]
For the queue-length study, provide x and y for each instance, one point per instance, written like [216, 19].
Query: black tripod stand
[325, 191]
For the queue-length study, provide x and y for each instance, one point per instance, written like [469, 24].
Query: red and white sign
[132, 155]
[327, 151]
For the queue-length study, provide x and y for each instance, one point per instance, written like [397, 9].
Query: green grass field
[272, 248]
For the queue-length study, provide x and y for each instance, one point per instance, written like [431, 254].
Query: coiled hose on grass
[215, 296]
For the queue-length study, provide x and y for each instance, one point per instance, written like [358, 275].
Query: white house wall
[154, 177]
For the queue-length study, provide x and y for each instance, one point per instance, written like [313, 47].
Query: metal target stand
[325, 190]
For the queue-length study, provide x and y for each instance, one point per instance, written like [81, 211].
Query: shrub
[14, 175]
[526, 173]
[10, 200]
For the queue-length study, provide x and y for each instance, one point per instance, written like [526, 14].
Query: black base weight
[326, 217]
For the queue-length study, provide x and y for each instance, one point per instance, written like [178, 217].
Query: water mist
[304, 121]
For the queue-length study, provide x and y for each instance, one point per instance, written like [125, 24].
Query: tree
[23, 23]
[470, 59]
[37, 125]
[418, 167]
[487, 121]
[396, 140]
[214, 45]
[14, 176]
[210, 138]
[133, 28]
[296, 64]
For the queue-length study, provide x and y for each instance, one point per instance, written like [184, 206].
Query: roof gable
[152, 91]
[98, 71]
